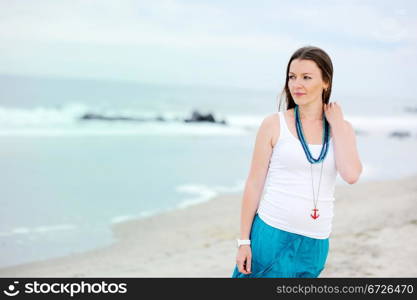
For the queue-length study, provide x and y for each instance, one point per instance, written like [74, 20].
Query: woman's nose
[296, 84]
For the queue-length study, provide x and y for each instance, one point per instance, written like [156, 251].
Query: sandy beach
[374, 235]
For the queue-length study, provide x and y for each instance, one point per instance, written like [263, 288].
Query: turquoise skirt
[281, 254]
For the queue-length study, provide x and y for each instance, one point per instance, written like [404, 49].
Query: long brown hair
[323, 61]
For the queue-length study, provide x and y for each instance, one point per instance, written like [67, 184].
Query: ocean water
[66, 180]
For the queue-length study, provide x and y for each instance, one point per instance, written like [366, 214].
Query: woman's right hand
[244, 259]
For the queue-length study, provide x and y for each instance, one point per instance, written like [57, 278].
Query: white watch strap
[242, 242]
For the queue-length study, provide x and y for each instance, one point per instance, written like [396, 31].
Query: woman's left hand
[333, 112]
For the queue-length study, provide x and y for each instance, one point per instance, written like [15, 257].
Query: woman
[297, 155]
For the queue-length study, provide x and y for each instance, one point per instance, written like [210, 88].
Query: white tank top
[287, 200]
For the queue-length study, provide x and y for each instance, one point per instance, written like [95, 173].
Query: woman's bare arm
[259, 168]
[347, 158]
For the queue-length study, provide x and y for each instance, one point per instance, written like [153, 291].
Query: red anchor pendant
[315, 215]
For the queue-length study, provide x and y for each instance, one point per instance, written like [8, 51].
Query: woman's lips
[299, 94]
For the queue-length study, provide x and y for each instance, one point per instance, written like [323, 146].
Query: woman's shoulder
[272, 117]
[271, 123]
[271, 120]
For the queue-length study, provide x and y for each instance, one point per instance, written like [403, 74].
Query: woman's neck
[310, 114]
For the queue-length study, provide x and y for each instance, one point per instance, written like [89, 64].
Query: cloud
[158, 22]
[163, 38]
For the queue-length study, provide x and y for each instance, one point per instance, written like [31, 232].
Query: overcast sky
[373, 44]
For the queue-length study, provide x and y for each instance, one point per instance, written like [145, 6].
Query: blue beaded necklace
[310, 158]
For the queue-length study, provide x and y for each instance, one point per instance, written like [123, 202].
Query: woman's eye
[305, 77]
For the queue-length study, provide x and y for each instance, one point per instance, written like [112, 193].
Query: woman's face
[305, 77]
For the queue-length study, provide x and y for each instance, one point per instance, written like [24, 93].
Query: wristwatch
[242, 242]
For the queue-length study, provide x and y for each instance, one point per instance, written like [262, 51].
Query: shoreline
[373, 235]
